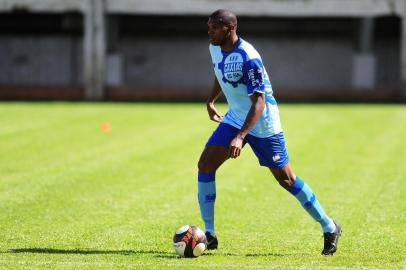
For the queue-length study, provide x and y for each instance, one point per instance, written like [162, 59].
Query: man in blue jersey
[252, 118]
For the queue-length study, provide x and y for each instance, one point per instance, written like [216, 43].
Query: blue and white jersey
[240, 73]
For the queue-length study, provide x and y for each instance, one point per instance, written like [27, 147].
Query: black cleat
[212, 242]
[331, 240]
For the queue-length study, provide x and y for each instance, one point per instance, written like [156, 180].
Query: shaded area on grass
[84, 251]
[159, 254]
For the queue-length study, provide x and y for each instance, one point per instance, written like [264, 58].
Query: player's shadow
[158, 254]
[269, 255]
[87, 251]
[228, 254]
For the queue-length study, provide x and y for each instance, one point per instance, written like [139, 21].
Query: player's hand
[213, 114]
[236, 146]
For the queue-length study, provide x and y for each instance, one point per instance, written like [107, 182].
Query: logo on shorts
[276, 157]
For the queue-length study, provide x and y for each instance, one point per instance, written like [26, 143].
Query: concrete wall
[292, 63]
[307, 63]
[40, 60]
[282, 8]
[170, 57]
[159, 62]
[388, 62]
[183, 62]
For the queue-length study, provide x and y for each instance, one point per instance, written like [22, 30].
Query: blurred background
[157, 50]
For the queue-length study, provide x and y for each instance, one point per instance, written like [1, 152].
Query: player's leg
[214, 154]
[304, 194]
[210, 160]
[212, 157]
[284, 176]
[272, 153]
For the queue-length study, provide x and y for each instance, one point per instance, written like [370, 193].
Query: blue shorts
[271, 151]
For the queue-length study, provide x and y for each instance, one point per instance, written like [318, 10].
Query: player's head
[222, 25]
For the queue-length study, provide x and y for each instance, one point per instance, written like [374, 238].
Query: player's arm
[257, 107]
[211, 109]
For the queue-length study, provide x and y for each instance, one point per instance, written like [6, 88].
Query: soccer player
[252, 118]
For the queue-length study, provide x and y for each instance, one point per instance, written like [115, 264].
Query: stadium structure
[334, 50]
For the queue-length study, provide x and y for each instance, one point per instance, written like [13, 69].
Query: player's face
[218, 32]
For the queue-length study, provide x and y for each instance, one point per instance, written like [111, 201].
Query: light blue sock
[207, 196]
[306, 197]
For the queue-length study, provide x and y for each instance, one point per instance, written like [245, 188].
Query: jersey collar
[233, 49]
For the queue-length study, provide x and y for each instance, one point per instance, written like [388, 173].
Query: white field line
[177, 265]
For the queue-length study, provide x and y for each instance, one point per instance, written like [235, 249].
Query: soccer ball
[189, 241]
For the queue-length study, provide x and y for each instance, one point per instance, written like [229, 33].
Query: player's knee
[284, 176]
[204, 165]
[285, 181]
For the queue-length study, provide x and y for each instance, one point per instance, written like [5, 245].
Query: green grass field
[73, 197]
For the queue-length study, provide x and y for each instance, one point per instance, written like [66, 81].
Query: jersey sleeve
[254, 72]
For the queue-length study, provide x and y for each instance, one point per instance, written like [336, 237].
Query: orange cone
[105, 127]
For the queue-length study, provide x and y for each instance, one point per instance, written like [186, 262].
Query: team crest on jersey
[232, 68]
